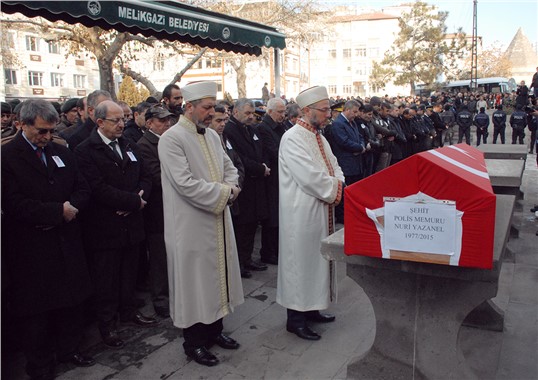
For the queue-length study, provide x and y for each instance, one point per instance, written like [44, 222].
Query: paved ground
[269, 352]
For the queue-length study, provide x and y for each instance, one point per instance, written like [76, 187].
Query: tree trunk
[241, 79]
[106, 77]
[412, 84]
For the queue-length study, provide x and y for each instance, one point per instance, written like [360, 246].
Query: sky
[497, 20]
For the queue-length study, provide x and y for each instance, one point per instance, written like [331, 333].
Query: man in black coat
[113, 225]
[135, 127]
[157, 122]
[464, 119]
[83, 131]
[499, 123]
[42, 192]
[245, 139]
[271, 130]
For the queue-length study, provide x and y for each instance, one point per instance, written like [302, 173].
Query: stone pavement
[269, 352]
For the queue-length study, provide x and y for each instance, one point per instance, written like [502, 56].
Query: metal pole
[474, 55]
[277, 72]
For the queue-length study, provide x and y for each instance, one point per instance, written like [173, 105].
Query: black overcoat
[271, 133]
[153, 212]
[44, 256]
[248, 144]
[115, 185]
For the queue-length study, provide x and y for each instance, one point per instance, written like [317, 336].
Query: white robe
[306, 281]
[203, 267]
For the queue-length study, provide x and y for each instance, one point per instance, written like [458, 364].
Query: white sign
[423, 226]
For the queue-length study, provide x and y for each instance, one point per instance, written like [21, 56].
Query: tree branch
[194, 59]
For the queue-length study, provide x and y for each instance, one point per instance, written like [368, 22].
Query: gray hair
[94, 97]
[101, 110]
[273, 102]
[351, 103]
[32, 108]
[293, 110]
[242, 102]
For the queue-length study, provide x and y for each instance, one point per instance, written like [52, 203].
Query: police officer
[481, 120]
[518, 122]
[499, 124]
[464, 119]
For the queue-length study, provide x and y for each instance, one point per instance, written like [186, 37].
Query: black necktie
[113, 146]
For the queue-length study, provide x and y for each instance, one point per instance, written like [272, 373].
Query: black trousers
[42, 335]
[200, 334]
[481, 135]
[464, 132]
[158, 269]
[499, 131]
[244, 237]
[298, 318]
[269, 241]
[518, 134]
[339, 210]
[114, 273]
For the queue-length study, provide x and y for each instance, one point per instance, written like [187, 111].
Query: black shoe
[111, 338]
[162, 311]
[273, 260]
[202, 356]
[304, 333]
[226, 342]
[79, 360]
[139, 302]
[316, 316]
[258, 267]
[141, 320]
[245, 273]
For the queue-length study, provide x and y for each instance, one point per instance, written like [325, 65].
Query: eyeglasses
[324, 110]
[116, 121]
[44, 131]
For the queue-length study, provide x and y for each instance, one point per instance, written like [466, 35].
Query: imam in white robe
[306, 281]
[203, 267]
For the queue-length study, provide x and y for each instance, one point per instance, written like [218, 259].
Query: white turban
[311, 95]
[199, 90]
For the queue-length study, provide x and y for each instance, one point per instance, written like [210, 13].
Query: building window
[158, 62]
[54, 47]
[347, 53]
[332, 53]
[35, 78]
[56, 80]
[32, 43]
[79, 81]
[11, 76]
[360, 52]
[373, 52]
[331, 88]
[347, 89]
[219, 86]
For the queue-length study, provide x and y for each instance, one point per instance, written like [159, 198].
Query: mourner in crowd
[113, 223]
[43, 191]
[157, 120]
[245, 139]
[173, 101]
[271, 130]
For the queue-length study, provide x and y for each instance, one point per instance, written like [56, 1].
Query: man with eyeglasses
[157, 122]
[42, 193]
[199, 181]
[311, 185]
[113, 224]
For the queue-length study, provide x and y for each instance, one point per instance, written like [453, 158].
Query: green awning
[168, 20]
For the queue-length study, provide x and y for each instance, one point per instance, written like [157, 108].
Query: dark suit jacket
[348, 146]
[153, 212]
[44, 257]
[271, 133]
[115, 185]
[81, 133]
[248, 144]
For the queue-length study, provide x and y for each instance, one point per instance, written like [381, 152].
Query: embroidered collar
[307, 126]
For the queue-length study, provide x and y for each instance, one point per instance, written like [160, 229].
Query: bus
[485, 85]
